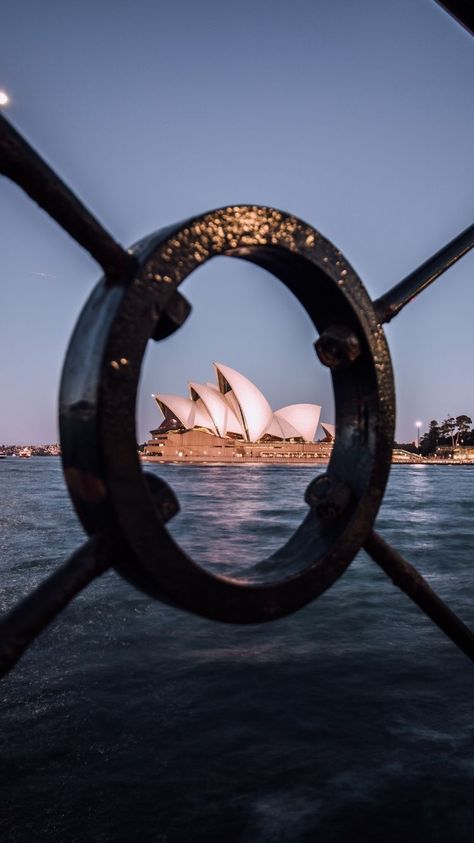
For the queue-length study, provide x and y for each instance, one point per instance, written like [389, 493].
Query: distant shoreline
[308, 463]
[300, 463]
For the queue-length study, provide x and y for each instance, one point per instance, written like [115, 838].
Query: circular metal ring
[97, 412]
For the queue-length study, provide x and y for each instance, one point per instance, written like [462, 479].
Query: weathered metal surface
[337, 347]
[21, 626]
[123, 510]
[121, 320]
[20, 163]
[328, 497]
[391, 303]
[409, 580]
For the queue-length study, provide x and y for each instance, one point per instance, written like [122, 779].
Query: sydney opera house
[232, 421]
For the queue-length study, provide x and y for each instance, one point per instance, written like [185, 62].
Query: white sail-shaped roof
[186, 411]
[235, 411]
[245, 399]
[181, 408]
[302, 417]
[329, 430]
[237, 406]
[282, 429]
[224, 419]
[202, 418]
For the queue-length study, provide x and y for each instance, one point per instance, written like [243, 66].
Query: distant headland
[30, 450]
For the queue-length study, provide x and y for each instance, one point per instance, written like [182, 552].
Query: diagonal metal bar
[24, 623]
[461, 11]
[33, 614]
[391, 303]
[407, 578]
[20, 163]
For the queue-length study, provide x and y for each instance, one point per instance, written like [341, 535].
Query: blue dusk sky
[357, 117]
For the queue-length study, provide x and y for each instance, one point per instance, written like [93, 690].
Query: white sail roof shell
[236, 405]
[181, 408]
[214, 403]
[282, 429]
[203, 418]
[301, 417]
[189, 413]
[246, 400]
[329, 429]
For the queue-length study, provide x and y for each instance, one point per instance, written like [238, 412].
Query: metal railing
[124, 510]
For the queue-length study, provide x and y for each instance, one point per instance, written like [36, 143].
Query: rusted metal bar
[409, 580]
[461, 11]
[33, 614]
[41, 606]
[20, 163]
[391, 303]
[173, 316]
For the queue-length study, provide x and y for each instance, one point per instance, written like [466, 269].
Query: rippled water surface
[351, 720]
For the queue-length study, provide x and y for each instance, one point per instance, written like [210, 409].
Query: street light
[418, 424]
[4, 98]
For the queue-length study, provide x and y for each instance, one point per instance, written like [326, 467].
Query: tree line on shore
[450, 433]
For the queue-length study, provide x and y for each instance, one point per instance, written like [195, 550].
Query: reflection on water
[350, 720]
[232, 516]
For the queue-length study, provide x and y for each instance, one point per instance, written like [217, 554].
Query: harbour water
[349, 721]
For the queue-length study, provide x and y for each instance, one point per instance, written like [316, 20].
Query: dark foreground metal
[461, 10]
[391, 303]
[122, 510]
[22, 625]
[409, 580]
[97, 412]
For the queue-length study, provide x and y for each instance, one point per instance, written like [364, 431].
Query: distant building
[233, 421]
[464, 453]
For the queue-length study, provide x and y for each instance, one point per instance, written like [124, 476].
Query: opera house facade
[232, 421]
